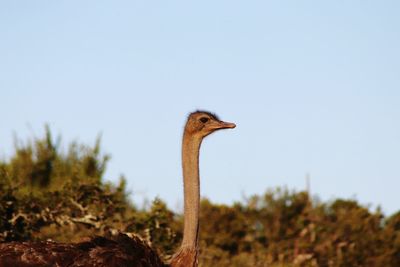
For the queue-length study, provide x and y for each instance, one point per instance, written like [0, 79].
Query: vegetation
[48, 193]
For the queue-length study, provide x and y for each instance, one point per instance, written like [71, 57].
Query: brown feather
[120, 250]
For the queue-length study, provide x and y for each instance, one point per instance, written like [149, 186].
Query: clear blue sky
[314, 87]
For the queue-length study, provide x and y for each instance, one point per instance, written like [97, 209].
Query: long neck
[191, 184]
[186, 256]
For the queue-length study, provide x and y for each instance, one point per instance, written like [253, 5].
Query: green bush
[49, 193]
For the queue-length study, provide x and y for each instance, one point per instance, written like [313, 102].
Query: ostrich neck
[191, 184]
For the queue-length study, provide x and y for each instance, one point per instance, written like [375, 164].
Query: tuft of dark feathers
[119, 250]
[211, 114]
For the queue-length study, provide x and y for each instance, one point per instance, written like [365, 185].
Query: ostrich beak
[225, 125]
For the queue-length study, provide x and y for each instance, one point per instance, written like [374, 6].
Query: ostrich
[122, 250]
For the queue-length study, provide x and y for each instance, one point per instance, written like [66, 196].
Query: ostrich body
[123, 250]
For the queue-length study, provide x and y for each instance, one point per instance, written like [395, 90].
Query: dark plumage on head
[211, 114]
[202, 123]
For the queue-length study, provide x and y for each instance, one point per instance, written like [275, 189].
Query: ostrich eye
[204, 119]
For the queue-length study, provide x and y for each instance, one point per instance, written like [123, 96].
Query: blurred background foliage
[47, 193]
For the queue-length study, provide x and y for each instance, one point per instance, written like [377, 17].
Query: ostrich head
[203, 123]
